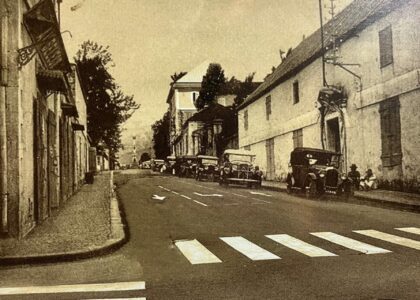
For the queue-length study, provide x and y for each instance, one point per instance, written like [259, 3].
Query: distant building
[181, 98]
[369, 111]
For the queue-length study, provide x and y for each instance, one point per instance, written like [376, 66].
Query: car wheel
[311, 190]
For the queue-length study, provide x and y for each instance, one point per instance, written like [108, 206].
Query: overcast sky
[152, 39]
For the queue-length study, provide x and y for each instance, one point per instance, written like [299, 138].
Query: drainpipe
[3, 126]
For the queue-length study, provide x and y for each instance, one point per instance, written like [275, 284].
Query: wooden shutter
[385, 47]
[390, 132]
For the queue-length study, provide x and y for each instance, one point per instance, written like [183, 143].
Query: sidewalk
[88, 224]
[384, 197]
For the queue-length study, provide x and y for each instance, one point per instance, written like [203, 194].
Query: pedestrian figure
[354, 175]
[368, 182]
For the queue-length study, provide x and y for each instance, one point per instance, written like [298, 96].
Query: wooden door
[52, 159]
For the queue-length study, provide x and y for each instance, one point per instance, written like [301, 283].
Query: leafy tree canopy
[107, 106]
[161, 142]
[211, 85]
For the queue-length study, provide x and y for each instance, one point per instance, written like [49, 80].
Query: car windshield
[322, 159]
[241, 158]
[207, 161]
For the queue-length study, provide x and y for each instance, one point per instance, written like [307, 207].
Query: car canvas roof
[306, 149]
[207, 157]
[239, 152]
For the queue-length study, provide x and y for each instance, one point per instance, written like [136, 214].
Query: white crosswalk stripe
[349, 243]
[391, 238]
[74, 288]
[414, 230]
[196, 253]
[248, 248]
[299, 245]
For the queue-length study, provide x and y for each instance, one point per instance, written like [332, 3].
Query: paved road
[202, 241]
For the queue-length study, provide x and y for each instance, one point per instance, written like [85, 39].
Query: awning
[52, 81]
[42, 25]
[77, 127]
[69, 109]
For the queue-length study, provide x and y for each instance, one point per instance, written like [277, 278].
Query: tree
[107, 106]
[245, 88]
[161, 142]
[211, 85]
[144, 157]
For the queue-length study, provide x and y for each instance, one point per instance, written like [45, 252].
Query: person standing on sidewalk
[354, 175]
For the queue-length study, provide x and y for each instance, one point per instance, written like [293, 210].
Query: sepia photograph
[209, 149]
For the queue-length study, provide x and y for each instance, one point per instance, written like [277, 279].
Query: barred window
[298, 138]
[295, 92]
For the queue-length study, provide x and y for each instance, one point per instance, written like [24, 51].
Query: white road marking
[157, 197]
[299, 245]
[248, 248]
[414, 230]
[75, 288]
[208, 195]
[186, 197]
[391, 238]
[231, 204]
[196, 253]
[349, 243]
[256, 199]
[136, 298]
[239, 195]
[260, 193]
[201, 203]
[175, 193]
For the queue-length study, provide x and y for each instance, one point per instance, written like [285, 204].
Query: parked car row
[313, 171]
[233, 167]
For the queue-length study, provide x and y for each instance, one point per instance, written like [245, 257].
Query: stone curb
[118, 238]
[363, 199]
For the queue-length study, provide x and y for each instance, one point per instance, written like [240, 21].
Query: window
[271, 167]
[268, 107]
[295, 92]
[246, 120]
[385, 47]
[194, 96]
[298, 138]
[389, 111]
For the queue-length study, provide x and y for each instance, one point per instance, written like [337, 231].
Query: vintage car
[316, 171]
[207, 168]
[237, 167]
[157, 164]
[187, 166]
[170, 164]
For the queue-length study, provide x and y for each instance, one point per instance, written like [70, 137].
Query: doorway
[333, 135]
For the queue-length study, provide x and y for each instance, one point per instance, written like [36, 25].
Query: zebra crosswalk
[197, 253]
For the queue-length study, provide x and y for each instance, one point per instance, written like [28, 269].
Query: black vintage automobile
[170, 165]
[237, 167]
[207, 168]
[316, 171]
[187, 166]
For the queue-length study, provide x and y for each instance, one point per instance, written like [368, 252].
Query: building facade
[38, 107]
[182, 95]
[367, 107]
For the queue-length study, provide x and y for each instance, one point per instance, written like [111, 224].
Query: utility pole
[324, 81]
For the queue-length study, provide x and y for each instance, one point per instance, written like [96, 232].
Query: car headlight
[206, 168]
[343, 177]
[227, 170]
[322, 175]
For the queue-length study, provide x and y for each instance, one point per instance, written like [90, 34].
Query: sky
[152, 39]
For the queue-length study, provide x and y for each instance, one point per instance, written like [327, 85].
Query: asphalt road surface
[197, 240]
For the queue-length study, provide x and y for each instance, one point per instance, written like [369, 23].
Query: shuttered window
[295, 92]
[268, 107]
[246, 120]
[385, 47]
[269, 148]
[390, 132]
[298, 138]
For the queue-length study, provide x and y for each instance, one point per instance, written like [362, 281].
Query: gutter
[3, 125]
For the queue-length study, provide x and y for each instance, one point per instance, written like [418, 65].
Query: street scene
[233, 149]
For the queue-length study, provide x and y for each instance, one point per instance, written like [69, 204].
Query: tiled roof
[352, 19]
